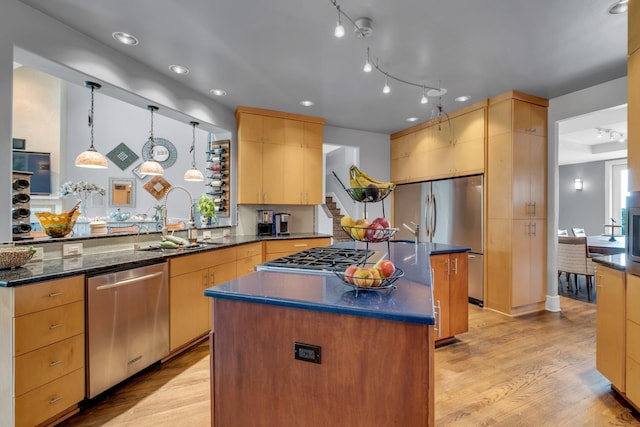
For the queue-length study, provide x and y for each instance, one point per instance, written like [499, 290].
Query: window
[616, 192]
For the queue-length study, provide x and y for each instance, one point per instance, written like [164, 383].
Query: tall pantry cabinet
[516, 203]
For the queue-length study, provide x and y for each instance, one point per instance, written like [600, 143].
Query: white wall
[599, 97]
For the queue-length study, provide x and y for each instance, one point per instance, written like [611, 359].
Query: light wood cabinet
[610, 325]
[279, 157]
[441, 148]
[189, 309]
[44, 335]
[450, 293]
[632, 340]
[278, 248]
[516, 203]
[248, 257]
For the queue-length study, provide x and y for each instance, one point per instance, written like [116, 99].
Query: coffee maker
[265, 223]
[281, 224]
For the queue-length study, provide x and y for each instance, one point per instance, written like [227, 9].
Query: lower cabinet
[46, 379]
[451, 293]
[189, 276]
[249, 256]
[633, 340]
[610, 326]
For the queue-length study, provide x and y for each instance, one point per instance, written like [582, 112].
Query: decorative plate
[157, 186]
[164, 152]
[122, 156]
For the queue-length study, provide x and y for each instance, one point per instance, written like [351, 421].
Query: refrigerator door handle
[427, 204]
[434, 216]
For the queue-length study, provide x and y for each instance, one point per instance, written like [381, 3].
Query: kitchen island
[304, 349]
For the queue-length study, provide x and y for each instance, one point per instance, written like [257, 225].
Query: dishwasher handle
[128, 281]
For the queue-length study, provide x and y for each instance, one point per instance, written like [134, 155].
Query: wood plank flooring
[538, 370]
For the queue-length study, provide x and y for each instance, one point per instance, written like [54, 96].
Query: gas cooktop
[320, 259]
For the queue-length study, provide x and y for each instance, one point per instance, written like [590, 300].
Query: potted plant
[207, 207]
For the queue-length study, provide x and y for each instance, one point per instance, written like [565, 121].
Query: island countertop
[411, 300]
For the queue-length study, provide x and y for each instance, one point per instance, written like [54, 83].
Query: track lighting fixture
[613, 134]
[363, 29]
[91, 158]
[339, 31]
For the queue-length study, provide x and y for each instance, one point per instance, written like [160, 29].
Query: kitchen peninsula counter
[127, 257]
[367, 359]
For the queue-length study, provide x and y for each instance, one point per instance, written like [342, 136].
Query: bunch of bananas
[366, 188]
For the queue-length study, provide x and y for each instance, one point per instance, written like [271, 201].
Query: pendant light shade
[151, 166]
[91, 158]
[193, 174]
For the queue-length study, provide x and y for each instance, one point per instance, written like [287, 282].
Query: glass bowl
[57, 225]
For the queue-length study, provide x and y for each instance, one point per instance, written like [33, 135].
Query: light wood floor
[538, 370]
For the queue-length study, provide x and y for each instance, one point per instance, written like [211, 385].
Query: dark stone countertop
[617, 262]
[411, 301]
[97, 263]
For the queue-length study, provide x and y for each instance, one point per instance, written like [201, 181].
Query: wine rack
[219, 175]
[21, 210]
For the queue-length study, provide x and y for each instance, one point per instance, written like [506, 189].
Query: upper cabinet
[279, 157]
[441, 148]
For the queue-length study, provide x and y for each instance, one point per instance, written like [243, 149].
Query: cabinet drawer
[189, 263]
[41, 296]
[249, 250]
[49, 400]
[44, 365]
[248, 265]
[286, 247]
[46, 327]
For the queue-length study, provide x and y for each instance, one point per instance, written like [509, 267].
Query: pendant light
[91, 158]
[193, 174]
[151, 166]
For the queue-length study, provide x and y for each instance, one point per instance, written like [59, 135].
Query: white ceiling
[273, 54]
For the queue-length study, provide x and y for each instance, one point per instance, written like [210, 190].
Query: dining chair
[573, 258]
[563, 232]
[578, 232]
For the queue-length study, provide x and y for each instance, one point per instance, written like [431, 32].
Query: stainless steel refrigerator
[446, 211]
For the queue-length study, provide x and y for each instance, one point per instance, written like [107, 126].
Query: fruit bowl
[57, 225]
[370, 284]
[369, 234]
[13, 257]
[371, 193]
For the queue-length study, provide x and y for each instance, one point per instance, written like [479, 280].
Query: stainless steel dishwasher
[127, 324]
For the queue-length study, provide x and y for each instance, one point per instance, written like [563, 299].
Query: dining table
[602, 244]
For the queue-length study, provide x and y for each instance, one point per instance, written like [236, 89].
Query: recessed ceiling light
[125, 38]
[306, 103]
[620, 6]
[412, 119]
[463, 98]
[179, 69]
[217, 92]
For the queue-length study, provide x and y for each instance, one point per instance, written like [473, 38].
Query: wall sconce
[578, 184]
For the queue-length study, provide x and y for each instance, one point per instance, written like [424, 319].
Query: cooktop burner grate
[337, 259]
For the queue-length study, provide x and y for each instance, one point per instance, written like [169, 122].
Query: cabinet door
[250, 127]
[529, 118]
[521, 176]
[610, 325]
[400, 149]
[273, 178]
[293, 132]
[273, 130]
[189, 310]
[538, 176]
[293, 174]
[313, 135]
[312, 176]
[219, 274]
[440, 267]
[459, 293]
[250, 171]
[528, 255]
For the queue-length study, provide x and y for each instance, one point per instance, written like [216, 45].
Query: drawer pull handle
[300, 245]
[55, 294]
[57, 362]
[54, 400]
[57, 325]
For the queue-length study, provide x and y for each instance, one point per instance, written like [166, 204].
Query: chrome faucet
[416, 232]
[191, 226]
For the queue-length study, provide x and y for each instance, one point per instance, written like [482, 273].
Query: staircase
[338, 233]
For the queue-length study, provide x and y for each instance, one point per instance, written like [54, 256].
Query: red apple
[386, 267]
[382, 221]
[375, 232]
[350, 272]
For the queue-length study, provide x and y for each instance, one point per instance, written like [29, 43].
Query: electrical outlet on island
[71, 249]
